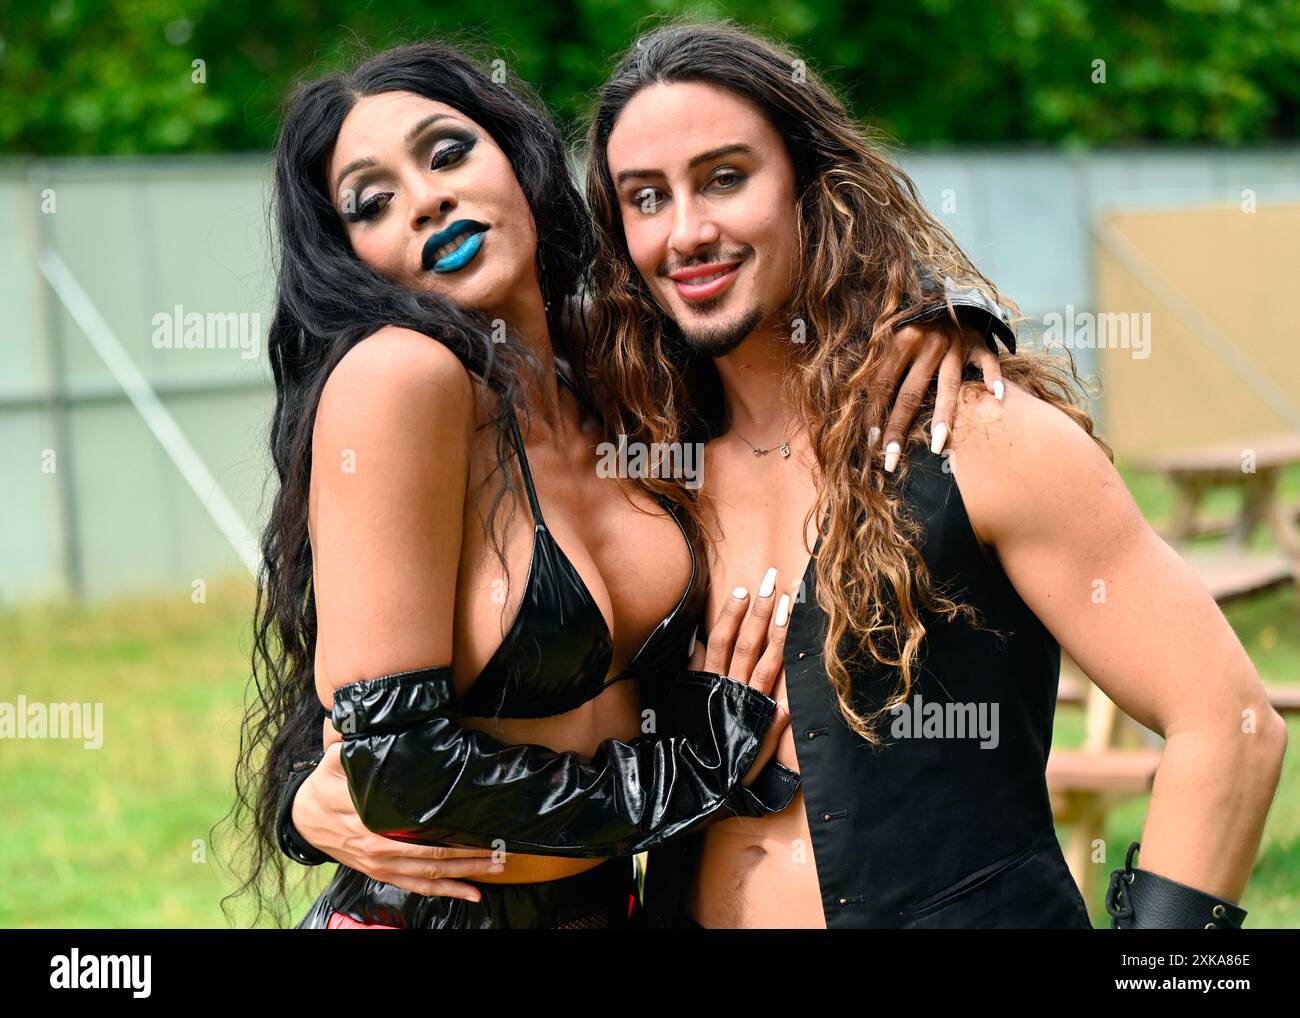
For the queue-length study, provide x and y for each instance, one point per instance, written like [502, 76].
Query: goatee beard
[720, 339]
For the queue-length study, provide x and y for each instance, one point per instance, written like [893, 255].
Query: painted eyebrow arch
[703, 157]
[411, 135]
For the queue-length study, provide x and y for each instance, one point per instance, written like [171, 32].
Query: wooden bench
[1284, 698]
[1252, 467]
[1086, 783]
[1226, 524]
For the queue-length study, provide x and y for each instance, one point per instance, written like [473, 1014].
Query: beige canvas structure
[1223, 358]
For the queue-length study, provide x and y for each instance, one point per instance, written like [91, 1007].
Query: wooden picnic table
[1252, 466]
[1227, 465]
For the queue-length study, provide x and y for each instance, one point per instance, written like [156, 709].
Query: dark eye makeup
[458, 145]
[452, 153]
[736, 177]
[369, 208]
[649, 198]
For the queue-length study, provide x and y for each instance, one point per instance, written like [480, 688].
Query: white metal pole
[156, 416]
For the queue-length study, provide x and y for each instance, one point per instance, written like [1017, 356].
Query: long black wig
[327, 300]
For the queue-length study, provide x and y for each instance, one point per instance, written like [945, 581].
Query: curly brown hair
[868, 236]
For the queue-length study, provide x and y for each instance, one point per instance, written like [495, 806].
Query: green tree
[93, 77]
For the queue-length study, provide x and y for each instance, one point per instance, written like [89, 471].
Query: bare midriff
[614, 714]
[758, 873]
[635, 565]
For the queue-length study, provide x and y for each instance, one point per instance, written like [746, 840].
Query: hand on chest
[760, 533]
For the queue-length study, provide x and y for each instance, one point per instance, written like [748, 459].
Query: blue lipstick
[462, 255]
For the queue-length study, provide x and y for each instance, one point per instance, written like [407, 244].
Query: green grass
[119, 836]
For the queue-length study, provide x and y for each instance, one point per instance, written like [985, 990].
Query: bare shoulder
[1021, 458]
[390, 466]
[398, 362]
[1021, 426]
[393, 398]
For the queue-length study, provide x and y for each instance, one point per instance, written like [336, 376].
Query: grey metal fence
[134, 444]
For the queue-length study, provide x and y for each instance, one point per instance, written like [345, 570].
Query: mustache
[743, 251]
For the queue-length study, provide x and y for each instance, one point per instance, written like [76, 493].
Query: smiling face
[707, 196]
[430, 201]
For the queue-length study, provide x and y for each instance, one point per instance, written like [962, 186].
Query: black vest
[931, 830]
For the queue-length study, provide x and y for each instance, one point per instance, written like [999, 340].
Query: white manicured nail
[937, 437]
[999, 390]
[740, 593]
[891, 456]
[769, 583]
[873, 436]
[783, 610]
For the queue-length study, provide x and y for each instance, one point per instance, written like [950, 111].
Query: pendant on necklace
[785, 450]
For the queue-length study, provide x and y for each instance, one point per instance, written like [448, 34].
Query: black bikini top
[559, 649]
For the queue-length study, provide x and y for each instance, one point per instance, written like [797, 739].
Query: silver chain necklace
[784, 446]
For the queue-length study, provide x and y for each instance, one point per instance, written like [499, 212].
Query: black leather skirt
[603, 897]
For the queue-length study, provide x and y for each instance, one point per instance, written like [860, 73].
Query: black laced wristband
[293, 844]
[1138, 899]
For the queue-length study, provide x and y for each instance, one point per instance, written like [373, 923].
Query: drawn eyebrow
[411, 135]
[703, 157]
